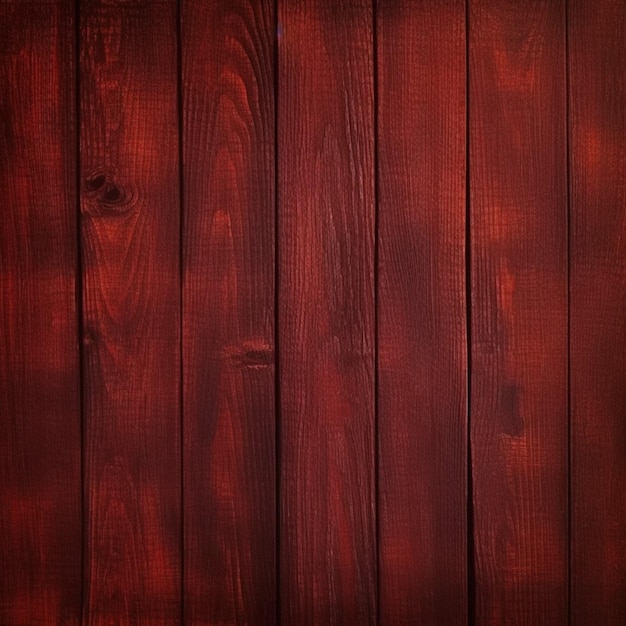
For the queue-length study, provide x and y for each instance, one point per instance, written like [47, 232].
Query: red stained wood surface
[131, 311]
[326, 312]
[422, 335]
[519, 412]
[267, 267]
[40, 493]
[597, 64]
[228, 319]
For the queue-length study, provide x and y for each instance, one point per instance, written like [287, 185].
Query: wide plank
[597, 65]
[228, 312]
[130, 243]
[519, 353]
[422, 335]
[326, 312]
[40, 458]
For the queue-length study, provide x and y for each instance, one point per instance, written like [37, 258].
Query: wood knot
[106, 197]
[252, 354]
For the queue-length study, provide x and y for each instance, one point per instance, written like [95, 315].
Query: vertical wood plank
[597, 63]
[131, 306]
[40, 465]
[422, 333]
[519, 421]
[326, 312]
[228, 314]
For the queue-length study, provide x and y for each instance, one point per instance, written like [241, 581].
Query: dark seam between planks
[568, 207]
[79, 306]
[471, 549]
[277, 420]
[181, 270]
[376, 298]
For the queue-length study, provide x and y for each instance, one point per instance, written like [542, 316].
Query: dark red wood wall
[312, 312]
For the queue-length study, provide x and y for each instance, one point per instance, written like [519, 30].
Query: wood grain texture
[597, 63]
[422, 334]
[228, 314]
[131, 293]
[326, 312]
[519, 421]
[40, 494]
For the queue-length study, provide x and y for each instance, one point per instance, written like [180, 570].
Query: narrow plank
[519, 398]
[597, 62]
[422, 334]
[131, 311]
[40, 466]
[326, 312]
[228, 313]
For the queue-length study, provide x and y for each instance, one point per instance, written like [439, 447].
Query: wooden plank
[597, 63]
[519, 397]
[40, 482]
[326, 312]
[228, 314]
[422, 334]
[131, 287]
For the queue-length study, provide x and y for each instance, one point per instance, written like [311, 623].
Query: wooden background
[313, 312]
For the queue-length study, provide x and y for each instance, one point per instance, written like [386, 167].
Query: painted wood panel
[326, 312]
[422, 335]
[597, 61]
[130, 241]
[519, 352]
[228, 316]
[40, 431]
